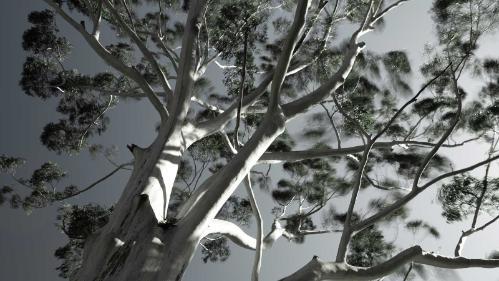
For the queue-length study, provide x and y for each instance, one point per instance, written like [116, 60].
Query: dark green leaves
[232, 20]
[71, 255]
[41, 38]
[236, 209]
[295, 224]
[215, 250]
[48, 173]
[209, 149]
[407, 162]
[417, 225]
[39, 78]
[441, 7]
[460, 197]
[42, 186]
[426, 106]
[9, 164]
[282, 143]
[368, 248]
[77, 222]
[397, 62]
[81, 101]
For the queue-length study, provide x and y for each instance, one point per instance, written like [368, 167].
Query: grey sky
[27, 243]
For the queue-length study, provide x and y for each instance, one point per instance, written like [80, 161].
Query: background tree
[367, 129]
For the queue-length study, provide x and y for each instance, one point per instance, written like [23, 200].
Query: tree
[281, 60]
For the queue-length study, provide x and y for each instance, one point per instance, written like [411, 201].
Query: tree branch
[444, 137]
[287, 52]
[241, 90]
[386, 11]
[96, 182]
[113, 61]
[255, 275]
[186, 71]
[347, 228]
[217, 123]
[317, 270]
[142, 47]
[414, 192]
[233, 232]
[300, 105]
[298, 155]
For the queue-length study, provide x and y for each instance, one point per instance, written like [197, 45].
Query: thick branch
[287, 52]
[232, 232]
[317, 270]
[186, 71]
[298, 155]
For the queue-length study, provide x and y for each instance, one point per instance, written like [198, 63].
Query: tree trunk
[132, 244]
[139, 243]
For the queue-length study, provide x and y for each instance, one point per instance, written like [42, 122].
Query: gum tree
[281, 61]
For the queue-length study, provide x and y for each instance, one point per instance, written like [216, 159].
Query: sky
[27, 242]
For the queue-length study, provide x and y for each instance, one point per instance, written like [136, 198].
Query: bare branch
[255, 275]
[335, 129]
[317, 270]
[347, 228]
[458, 172]
[169, 53]
[412, 100]
[217, 123]
[298, 155]
[386, 11]
[120, 167]
[186, 71]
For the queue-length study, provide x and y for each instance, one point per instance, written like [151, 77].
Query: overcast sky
[27, 243]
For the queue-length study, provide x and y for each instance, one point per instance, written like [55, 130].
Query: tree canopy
[226, 78]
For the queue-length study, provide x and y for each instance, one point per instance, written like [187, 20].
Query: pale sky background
[27, 243]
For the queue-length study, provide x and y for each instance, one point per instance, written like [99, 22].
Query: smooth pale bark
[138, 220]
[257, 263]
[233, 232]
[287, 53]
[298, 155]
[135, 218]
[193, 225]
[317, 270]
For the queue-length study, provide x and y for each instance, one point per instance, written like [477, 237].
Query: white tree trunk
[129, 246]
